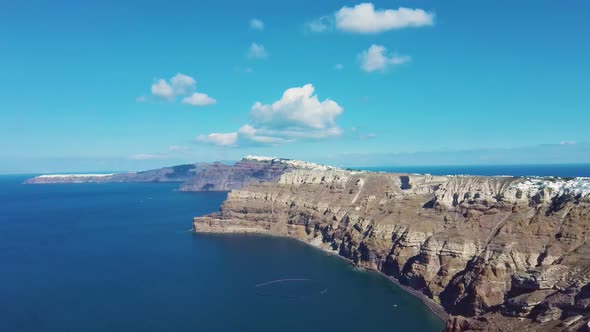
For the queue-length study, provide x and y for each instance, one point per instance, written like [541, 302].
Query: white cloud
[364, 18]
[162, 89]
[338, 66]
[376, 58]
[141, 99]
[256, 24]
[199, 99]
[249, 133]
[257, 51]
[299, 114]
[182, 84]
[298, 107]
[179, 85]
[221, 139]
[567, 142]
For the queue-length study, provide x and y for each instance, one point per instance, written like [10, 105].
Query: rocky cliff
[222, 177]
[498, 253]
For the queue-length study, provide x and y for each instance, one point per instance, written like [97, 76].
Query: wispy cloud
[221, 139]
[567, 142]
[256, 24]
[365, 19]
[173, 151]
[376, 58]
[321, 24]
[257, 51]
[199, 99]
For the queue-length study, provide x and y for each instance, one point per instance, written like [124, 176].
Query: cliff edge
[497, 253]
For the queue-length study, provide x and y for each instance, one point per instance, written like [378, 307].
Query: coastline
[434, 307]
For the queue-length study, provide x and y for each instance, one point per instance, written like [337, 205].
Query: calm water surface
[120, 257]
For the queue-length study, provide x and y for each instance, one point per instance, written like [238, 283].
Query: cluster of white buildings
[294, 163]
[557, 186]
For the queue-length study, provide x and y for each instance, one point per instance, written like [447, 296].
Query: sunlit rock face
[496, 252]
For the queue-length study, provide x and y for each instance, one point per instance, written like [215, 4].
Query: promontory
[497, 253]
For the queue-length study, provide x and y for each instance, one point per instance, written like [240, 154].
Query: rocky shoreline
[497, 253]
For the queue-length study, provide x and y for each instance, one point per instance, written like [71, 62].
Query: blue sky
[96, 85]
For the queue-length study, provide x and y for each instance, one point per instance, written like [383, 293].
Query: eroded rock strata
[498, 253]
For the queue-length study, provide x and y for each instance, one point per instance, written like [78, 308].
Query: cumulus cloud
[199, 99]
[257, 51]
[179, 85]
[376, 58]
[364, 18]
[161, 88]
[249, 133]
[298, 107]
[256, 24]
[297, 115]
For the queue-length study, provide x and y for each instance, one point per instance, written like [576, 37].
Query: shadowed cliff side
[221, 177]
[498, 253]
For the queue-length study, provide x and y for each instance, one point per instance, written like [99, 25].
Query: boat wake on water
[291, 288]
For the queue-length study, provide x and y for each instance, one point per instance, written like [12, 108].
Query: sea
[122, 257]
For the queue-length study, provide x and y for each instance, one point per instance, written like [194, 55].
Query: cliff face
[221, 177]
[495, 252]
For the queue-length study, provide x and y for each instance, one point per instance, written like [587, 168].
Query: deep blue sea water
[120, 257]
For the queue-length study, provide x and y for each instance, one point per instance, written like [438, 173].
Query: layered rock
[222, 177]
[495, 252]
